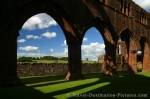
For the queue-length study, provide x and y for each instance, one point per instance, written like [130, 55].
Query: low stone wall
[36, 69]
[91, 68]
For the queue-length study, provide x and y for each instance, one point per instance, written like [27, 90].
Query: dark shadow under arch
[141, 48]
[127, 48]
[141, 54]
[126, 35]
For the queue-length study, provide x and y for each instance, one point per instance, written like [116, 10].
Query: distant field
[50, 61]
[89, 62]
[57, 61]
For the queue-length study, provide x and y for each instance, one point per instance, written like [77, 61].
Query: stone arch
[143, 54]
[100, 30]
[39, 37]
[108, 34]
[52, 9]
[141, 48]
[66, 25]
[110, 38]
[12, 15]
[99, 34]
[126, 35]
[53, 16]
[126, 48]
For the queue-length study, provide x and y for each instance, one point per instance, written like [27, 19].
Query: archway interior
[41, 40]
[123, 47]
[93, 48]
[140, 53]
[125, 36]
[124, 43]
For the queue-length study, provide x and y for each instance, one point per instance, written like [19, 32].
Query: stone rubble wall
[37, 69]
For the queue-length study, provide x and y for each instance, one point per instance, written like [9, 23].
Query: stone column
[146, 58]
[109, 65]
[74, 62]
[8, 68]
[132, 61]
[132, 64]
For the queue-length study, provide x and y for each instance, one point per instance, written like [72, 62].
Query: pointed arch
[64, 20]
[54, 10]
[143, 54]
[126, 35]
[126, 49]
[93, 50]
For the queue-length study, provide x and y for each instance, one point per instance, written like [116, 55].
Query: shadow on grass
[31, 80]
[29, 92]
[124, 84]
[23, 92]
[121, 87]
[46, 83]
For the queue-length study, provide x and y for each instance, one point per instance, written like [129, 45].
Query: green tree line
[30, 59]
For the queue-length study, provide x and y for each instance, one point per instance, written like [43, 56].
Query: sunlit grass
[147, 74]
[55, 87]
[78, 92]
[62, 86]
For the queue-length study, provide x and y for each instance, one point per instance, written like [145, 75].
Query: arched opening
[41, 47]
[123, 47]
[125, 36]
[93, 51]
[140, 54]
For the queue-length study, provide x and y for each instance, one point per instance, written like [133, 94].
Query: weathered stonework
[36, 69]
[110, 17]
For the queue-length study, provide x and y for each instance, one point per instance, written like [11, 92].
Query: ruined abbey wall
[28, 69]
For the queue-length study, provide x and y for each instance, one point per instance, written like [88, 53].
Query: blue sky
[41, 35]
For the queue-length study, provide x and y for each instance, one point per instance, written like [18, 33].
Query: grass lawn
[57, 61]
[50, 61]
[55, 87]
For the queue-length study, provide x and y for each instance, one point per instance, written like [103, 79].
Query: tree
[25, 59]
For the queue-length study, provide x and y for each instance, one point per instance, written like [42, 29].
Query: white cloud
[39, 21]
[21, 40]
[93, 50]
[51, 50]
[64, 43]
[143, 3]
[29, 48]
[49, 35]
[66, 50]
[32, 37]
[85, 39]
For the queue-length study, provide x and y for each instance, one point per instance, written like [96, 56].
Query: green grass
[89, 62]
[57, 61]
[55, 87]
[50, 61]
[147, 74]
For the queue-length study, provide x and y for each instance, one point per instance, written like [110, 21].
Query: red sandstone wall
[26, 69]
